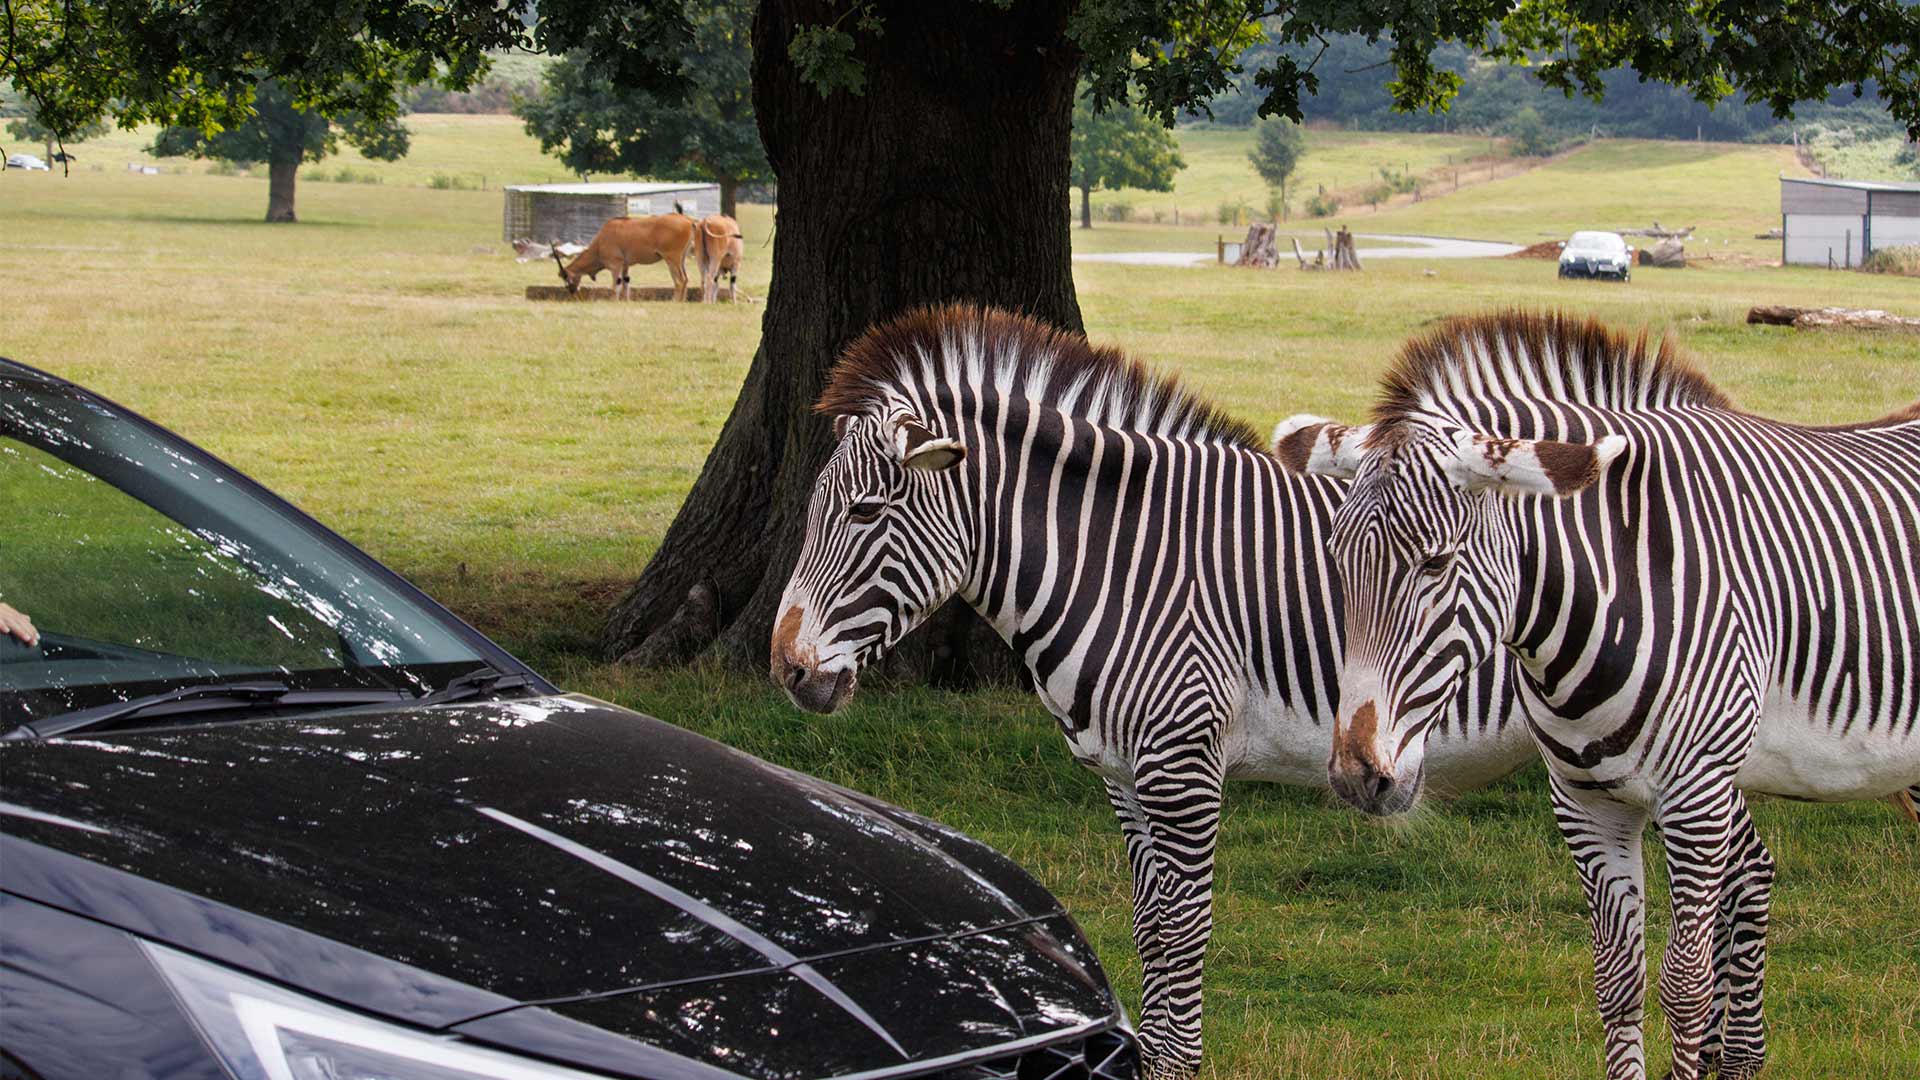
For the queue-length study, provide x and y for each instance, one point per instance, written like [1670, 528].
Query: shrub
[222, 167]
[1323, 205]
[1233, 211]
[448, 182]
[1377, 194]
[1903, 260]
[1117, 210]
[1279, 208]
[1531, 136]
[1400, 182]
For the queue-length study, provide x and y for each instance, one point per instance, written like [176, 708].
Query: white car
[1596, 254]
[28, 162]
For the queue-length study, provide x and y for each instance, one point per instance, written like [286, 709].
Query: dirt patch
[1545, 249]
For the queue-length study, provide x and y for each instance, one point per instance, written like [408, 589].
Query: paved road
[1396, 247]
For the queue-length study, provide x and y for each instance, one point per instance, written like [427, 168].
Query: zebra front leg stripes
[1180, 797]
[1695, 828]
[1143, 864]
[1603, 835]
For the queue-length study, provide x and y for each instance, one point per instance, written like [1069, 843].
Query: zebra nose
[1377, 785]
[796, 674]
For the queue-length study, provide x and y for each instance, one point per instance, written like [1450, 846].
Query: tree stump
[1345, 257]
[1260, 249]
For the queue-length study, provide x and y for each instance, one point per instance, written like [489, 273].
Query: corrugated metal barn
[572, 213]
[1841, 222]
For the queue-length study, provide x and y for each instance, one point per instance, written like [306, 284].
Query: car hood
[555, 850]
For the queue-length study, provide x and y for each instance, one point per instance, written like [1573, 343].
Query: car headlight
[263, 1032]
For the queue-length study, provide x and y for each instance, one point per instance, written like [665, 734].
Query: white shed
[1841, 222]
[572, 213]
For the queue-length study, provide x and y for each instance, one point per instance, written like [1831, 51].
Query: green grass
[480, 149]
[378, 365]
[1218, 170]
[1730, 190]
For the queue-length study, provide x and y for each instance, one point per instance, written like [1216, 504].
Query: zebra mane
[1522, 356]
[1015, 356]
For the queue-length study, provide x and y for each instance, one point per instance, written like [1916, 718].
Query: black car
[268, 812]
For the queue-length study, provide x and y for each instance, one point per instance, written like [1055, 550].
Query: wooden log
[635, 292]
[1831, 318]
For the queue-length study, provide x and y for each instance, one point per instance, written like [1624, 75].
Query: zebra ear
[1530, 466]
[1316, 446]
[840, 425]
[922, 449]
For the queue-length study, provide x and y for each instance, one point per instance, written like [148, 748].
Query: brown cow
[721, 250]
[633, 241]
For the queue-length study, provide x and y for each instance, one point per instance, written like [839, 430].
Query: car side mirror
[1562, 243]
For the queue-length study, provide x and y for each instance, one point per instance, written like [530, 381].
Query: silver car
[1596, 255]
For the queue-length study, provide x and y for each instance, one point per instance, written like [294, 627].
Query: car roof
[1595, 234]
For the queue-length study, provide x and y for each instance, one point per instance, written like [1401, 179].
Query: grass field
[377, 364]
[1218, 170]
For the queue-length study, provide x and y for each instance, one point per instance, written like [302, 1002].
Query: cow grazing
[720, 249]
[628, 242]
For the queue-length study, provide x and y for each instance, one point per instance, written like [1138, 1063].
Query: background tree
[1531, 135]
[285, 137]
[1119, 147]
[1278, 146]
[30, 128]
[922, 149]
[595, 125]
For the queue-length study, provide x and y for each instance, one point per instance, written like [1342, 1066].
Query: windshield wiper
[226, 695]
[473, 683]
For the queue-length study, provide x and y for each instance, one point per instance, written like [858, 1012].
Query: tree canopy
[594, 124]
[1119, 147]
[79, 60]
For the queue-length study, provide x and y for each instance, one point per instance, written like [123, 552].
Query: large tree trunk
[729, 197]
[280, 178]
[941, 181]
[1086, 207]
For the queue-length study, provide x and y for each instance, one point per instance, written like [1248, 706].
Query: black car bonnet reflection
[537, 851]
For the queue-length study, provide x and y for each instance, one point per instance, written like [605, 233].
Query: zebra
[1732, 607]
[1158, 572]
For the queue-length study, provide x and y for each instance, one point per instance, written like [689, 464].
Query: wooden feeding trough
[634, 292]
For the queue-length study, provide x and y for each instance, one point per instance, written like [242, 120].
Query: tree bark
[1086, 207]
[280, 179]
[729, 197]
[941, 181]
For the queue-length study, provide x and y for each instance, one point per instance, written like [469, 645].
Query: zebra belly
[1272, 741]
[1804, 758]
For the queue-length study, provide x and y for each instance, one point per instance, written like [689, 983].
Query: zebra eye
[865, 512]
[1436, 563]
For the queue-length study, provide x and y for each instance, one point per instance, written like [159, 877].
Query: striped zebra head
[1430, 572]
[884, 548]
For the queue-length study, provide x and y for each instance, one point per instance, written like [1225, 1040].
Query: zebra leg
[1736, 1041]
[1695, 826]
[1146, 919]
[1603, 836]
[1179, 791]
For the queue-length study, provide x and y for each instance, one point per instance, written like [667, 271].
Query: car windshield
[1596, 243]
[147, 568]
